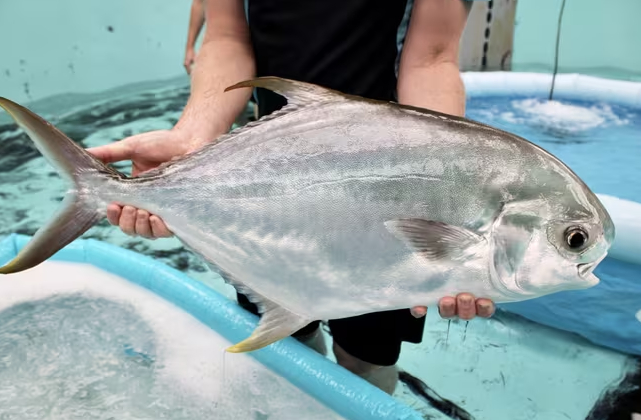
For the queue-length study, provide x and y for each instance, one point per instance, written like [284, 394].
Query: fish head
[552, 250]
[581, 243]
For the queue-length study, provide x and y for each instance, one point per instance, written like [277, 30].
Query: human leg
[383, 377]
[369, 345]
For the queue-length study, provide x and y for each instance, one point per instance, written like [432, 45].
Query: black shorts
[375, 338]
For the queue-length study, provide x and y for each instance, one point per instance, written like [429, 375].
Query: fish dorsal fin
[229, 136]
[275, 323]
[296, 93]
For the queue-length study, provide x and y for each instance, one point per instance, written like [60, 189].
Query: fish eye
[576, 237]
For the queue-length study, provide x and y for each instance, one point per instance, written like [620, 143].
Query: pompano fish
[336, 206]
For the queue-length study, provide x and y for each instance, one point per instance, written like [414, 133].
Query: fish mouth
[586, 269]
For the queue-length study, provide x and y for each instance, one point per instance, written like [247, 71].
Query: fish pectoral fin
[275, 324]
[434, 240]
[296, 93]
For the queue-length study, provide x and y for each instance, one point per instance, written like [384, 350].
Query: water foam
[562, 117]
[81, 343]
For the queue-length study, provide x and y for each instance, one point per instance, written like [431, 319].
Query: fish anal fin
[297, 93]
[435, 240]
[275, 324]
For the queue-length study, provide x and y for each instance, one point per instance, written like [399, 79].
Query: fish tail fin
[78, 213]
[71, 221]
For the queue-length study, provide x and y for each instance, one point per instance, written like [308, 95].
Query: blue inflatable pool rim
[347, 394]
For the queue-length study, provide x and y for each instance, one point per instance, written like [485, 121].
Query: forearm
[437, 86]
[210, 111]
[196, 21]
[428, 74]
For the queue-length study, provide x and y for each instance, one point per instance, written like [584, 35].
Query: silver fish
[337, 206]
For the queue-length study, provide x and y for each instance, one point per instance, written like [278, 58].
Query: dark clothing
[350, 46]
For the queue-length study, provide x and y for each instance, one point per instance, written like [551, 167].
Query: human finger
[128, 220]
[447, 307]
[465, 306]
[159, 228]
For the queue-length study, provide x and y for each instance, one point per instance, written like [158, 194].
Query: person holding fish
[355, 197]
[346, 46]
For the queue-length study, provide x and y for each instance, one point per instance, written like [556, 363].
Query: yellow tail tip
[249, 344]
[6, 104]
[238, 348]
[9, 268]
[233, 349]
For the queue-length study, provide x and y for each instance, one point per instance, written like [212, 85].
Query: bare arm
[225, 58]
[428, 73]
[196, 21]
[429, 77]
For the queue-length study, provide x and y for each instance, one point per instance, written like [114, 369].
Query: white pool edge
[626, 216]
[566, 85]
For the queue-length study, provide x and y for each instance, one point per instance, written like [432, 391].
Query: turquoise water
[601, 142]
[505, 368]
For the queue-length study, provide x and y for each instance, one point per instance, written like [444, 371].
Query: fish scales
[337, 206]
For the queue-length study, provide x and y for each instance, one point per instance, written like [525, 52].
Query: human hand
[190, 56]
[464, 305]
[146, 151]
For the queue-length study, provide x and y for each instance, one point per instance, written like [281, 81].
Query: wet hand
[464, 305]
[146, 151]
[136, 222]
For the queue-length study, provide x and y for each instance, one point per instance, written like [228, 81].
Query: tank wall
[49, 48]
[69, 46]
[598, 38]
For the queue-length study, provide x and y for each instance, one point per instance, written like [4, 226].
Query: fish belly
[324, 251]
[294, 209]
